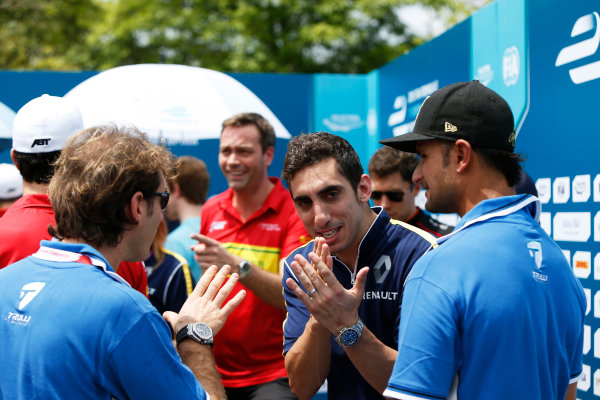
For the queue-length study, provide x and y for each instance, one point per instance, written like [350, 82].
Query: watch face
[203, 331]
[349, 337]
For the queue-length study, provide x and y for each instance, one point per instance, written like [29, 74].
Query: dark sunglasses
[164, 198]
[393, 195]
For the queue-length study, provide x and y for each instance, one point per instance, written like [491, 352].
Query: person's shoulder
[411, 233]
[303, 250]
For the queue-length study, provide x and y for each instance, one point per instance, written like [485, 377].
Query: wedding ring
[310, 294]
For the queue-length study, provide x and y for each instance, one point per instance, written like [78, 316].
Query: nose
[322, 215]
[417, 177]
[385, 202]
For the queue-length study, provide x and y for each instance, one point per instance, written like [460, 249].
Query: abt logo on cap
[582, 49]
[40, 142]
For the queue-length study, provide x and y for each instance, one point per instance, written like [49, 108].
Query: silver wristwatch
[350, 335]
[199, 331]
[244, 269]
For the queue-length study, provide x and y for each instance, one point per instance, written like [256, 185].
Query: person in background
[391, 173]
[40, 129]
[343, 310]
[170, 281]
[188, 194]
[11, 186]
[495, 311]
[73, 328]
[251, 226]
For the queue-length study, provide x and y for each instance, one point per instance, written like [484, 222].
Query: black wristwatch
[350, 335]
[199, 331]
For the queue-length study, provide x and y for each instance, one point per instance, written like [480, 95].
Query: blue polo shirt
[389, 248]
[494, 312]
[73, 329]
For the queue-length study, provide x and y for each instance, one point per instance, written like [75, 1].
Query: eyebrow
[321, 192]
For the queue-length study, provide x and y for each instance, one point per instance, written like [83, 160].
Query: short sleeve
[297, 314]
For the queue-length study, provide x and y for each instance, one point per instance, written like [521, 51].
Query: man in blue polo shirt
[71, 327]
[494, 312]
[341, 323]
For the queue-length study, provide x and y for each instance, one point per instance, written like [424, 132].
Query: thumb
[361, 280]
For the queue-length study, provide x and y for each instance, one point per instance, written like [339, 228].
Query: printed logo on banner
[597, 188]
[588, 298]
[582, 49]
[597, 310]
[408, 106]
[544, 189]
[485, 74]
[597, 227]
[511, 66]
[582, 264]
[343, 122]
[560, 190]
[572, 226]
[546, 222]
[597, 382]
[597, 272]
[581, 188]
[584, 382]
[587, 339]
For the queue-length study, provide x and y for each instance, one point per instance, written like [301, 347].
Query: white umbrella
[179, 103]
[6, 120]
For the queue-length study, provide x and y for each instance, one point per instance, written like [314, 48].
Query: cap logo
[40, 142]
[448, 127]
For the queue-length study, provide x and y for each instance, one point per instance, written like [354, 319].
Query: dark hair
[506, 162]
[97, 173]
[266, 131]
[387, 161]
[36, 167]
[309, 149]
[193, 179]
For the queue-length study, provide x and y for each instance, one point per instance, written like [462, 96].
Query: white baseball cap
[44, 124]
[11, 182]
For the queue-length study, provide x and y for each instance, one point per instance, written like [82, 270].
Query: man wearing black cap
[494, 312]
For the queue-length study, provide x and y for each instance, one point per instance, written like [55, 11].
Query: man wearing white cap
[40, 129]
[11, 186]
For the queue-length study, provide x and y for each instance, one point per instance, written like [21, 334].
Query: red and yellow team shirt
[248, 350]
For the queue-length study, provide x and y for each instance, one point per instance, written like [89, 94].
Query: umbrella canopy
[179, 103]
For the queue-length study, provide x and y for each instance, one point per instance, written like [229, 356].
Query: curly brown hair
[97, 173]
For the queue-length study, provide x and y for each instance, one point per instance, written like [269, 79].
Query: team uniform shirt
[2, 211]
[73, 329]
[248, 349]
[170, 283]
[424, 221]
[494, 312]
[179, 242]
[26, 223]
[390, 248]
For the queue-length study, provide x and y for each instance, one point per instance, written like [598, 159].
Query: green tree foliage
[343, 36]
[40, 34]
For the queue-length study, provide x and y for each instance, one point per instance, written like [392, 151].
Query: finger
[298, 291]
[234, 302]
[361, 280]
[327, 278]
[204, 239]
[301, 268]
[217, 282]
[326, 256]
[204, 281]
[170, 317]
[226, 289]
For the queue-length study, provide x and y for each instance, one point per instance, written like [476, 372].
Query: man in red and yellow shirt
[251, 226]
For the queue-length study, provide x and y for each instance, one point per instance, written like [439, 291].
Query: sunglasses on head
[393, 195]
[164, 198]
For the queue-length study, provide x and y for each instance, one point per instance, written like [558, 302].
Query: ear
[463, 153]
[268, 155]
[136, 208]
[14, 158]
[364, 188]
[175, 190]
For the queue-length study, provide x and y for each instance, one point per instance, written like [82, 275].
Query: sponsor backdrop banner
[559, 136]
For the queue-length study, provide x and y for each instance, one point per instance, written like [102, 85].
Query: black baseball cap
[464, 110]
